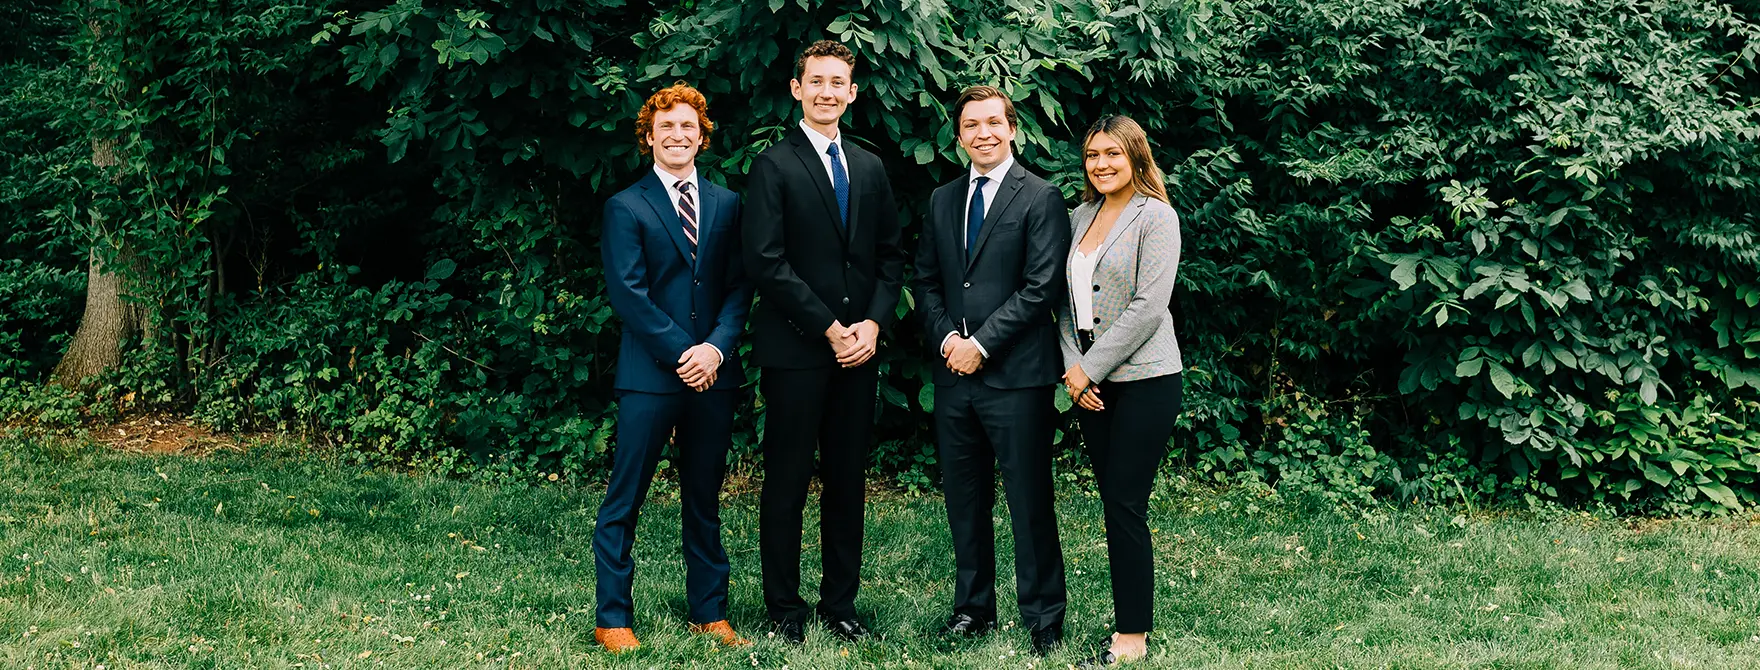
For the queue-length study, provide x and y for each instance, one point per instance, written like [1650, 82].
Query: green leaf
[926, 397]
[1502, 380]
[1721, 494]
[442, 269]
[1469, 368]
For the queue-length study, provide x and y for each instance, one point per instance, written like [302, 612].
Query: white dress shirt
[1081, 279]
[991, 187]
[673, 194]
[821, 143]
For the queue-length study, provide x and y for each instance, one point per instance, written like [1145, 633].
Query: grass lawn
[274, 560]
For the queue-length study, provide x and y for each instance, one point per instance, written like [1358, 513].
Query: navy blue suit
[669, 302]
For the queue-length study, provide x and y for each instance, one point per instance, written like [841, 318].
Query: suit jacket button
[1096, 287]
[846, 301]
[699, 282]
[968, 284]
[693, 315]
[1096, 321]
[847, 265]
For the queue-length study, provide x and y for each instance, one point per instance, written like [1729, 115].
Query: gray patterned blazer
[1133, 284]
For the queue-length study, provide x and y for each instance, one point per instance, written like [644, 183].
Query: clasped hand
[854, 345]
[699, 366]
[1076, 381]
[962, 354]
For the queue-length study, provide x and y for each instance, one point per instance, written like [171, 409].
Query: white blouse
[1081, 281]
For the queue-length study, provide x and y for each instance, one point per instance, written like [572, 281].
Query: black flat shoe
[848, 630]
[966, 625]
[1101, 660]
[1047, 640]
[791, 631]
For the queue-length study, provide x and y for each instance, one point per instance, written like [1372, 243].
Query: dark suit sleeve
[761, 230]
[931, 301]
[888, 254]
[1047, 245]
[738, 303]
[626, 282]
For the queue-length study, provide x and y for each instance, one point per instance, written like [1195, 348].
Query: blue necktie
[975, 215]
[839, 185]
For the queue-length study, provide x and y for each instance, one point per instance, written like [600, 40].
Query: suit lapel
[707, 215]
[953, 239]
[1083, 220]
[655, 193]
[855, 194]
[1125, 219]
[1005, 192]
[803, 150]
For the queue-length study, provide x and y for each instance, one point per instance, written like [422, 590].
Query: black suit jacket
[808, 270]
[1007, 290]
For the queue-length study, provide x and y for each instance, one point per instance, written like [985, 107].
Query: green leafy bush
[1432, 249]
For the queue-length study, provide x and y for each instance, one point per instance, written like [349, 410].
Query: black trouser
[704, 429]
[831, 410]
[1126, 443]
[978, 427]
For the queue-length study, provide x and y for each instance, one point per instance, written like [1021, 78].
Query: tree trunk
[107, 323]
[109, 320]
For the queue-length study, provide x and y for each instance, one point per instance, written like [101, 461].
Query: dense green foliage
[1432, 249]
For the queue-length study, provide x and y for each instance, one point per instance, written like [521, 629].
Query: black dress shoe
[966, 625]
[791, 631]
[848, 630]
[1101, 660]
[1047, 640]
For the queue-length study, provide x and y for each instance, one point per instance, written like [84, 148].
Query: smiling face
[676, 138]
[824, 89]
[985, 133]
[1107, 165]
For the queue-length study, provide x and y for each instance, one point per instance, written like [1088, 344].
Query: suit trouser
[1126, 443]
[704, 423]
[979, 427]
[830, 410]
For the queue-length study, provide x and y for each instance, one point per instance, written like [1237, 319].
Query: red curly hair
[664, 99]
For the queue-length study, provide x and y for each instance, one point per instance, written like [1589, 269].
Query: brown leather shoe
[616, 640]
[723, 632]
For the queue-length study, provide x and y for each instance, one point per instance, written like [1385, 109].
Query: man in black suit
[989, 275]
[822, 247]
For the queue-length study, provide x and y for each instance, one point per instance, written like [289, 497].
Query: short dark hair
[824, 48]
[982, 92]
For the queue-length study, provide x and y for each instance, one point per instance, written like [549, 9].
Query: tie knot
[683, 186]
[831, 149]
[980, 181]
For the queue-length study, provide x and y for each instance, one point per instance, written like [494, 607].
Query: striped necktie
[687, 212]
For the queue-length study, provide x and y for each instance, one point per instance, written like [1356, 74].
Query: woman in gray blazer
[1122, 360]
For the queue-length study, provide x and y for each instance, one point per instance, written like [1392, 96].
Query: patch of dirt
[162, 434]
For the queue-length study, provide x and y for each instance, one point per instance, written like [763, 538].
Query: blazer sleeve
[888, 254]
[762, 239]
[931, 301]
[737, 304]
[626, 283]
[1047, 244]
[1157, 262]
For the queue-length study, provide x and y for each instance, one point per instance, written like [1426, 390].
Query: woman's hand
[1082, 390]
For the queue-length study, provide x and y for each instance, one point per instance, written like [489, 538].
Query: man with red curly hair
[671, 247]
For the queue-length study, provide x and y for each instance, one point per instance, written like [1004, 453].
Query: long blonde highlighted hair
[1146, 177]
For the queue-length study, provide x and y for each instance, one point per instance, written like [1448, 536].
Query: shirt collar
[997, 174]
[668, 180]
[820, 142]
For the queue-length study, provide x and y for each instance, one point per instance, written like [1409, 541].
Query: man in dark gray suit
[989, 274]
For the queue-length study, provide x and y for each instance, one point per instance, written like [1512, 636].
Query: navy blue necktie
[839, 185]
[975, 215]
